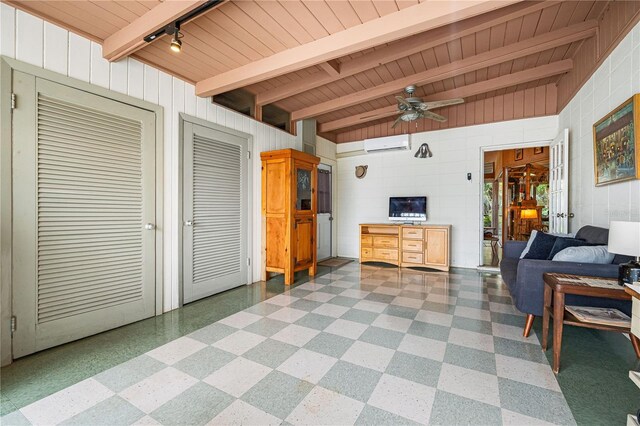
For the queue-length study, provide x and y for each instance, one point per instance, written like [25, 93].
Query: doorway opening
[515, 199]
[325, 212]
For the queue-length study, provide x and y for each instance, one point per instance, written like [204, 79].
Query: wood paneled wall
[615, 22]
[534, 102]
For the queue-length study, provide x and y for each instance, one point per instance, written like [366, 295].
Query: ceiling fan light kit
[412, 108]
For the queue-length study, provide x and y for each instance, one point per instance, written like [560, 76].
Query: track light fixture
[176, 43]
[173, 29]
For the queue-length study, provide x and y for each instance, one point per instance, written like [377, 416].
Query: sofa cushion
[563, 243]
[593, 235]
[541, 246]
[585, 254]
[528, 246]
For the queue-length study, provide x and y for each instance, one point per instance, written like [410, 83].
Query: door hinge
[248, 261]
[248, 155]
[13, 101]
[14, 324]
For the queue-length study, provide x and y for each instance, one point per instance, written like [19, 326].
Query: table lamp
[529, 214]
[624, 238]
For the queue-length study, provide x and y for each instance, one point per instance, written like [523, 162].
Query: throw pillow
[528, 246]
[585, 254]
[541, 246]
[563, 243]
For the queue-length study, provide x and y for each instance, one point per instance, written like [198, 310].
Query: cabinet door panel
[437, 246]
[303, 231]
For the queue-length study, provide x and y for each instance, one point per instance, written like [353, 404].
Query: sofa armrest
[529, 288]
[513, 249]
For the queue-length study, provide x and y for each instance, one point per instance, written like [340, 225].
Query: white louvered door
[215, 212]
[84, 192]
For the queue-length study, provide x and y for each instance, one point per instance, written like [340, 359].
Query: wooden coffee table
[556, 286]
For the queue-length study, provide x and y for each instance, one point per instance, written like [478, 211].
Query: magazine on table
[606, 316]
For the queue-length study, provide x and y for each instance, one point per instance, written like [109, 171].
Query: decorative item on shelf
[538, 150]
[361, 171]
[519, 154]
[616, 144]
[423, 152]
[624, 238]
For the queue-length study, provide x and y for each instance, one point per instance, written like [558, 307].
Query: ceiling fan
[412, 108]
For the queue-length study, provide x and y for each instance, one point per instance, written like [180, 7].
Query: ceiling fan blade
[395, 123]
[434, 116]
[439, 104]
[404, 102]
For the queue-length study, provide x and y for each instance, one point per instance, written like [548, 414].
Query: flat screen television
[408, 209]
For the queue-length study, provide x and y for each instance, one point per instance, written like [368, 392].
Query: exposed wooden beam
[404, 48]
[394, 26]
[332, 68]
[493, 57]
[526, 76]
[130, 38]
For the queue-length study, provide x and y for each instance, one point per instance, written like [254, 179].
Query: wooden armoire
[289, 206]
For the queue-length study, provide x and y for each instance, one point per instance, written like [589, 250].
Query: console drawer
[385, 254]
[366, 240]
[366, 252]
[412, 245]
[413, 233]
[386, 242]
[412, 258]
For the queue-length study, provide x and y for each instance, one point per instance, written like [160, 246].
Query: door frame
[7, 66]
[483, 150]
[331, 222]
[334, 202]
[186, 118]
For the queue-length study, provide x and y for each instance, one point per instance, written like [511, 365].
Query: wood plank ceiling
[506, 63]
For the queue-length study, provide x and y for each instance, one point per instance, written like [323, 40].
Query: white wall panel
[29, 38]
[56, 46]
[79, 57]
[7, 30]
[611, 84]
[100, 69]
[129, 76]
[451, 198]
[135, 79]
[118, 80]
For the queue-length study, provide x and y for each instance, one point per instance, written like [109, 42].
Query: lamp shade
[529, 214]
[624, 238]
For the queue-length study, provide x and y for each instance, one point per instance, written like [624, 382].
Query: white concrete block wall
[451, 198]
[30, 39]
[617, 79]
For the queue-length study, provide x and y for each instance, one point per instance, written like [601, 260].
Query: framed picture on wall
[538, 150]
[519, 154]
[615, 144]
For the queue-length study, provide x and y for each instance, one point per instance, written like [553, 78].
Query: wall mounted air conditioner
[388, 143]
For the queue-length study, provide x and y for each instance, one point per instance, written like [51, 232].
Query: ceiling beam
[403, 48]
[394, 26]
[130, 38]
[331, 67]
[487, 59]
[502, 82]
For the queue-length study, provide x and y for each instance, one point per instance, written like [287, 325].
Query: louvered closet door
[215, 213]
[84, 189]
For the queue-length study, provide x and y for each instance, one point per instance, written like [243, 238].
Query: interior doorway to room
[325, 212]
[515, 199]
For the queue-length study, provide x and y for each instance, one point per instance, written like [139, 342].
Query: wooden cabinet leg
[558, 318]
[545, 317]
[288, 277]
[636, 344]
[528, 324]
[312, 270]
[267, 276]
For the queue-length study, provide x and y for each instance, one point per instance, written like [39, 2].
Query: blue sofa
[524, 276]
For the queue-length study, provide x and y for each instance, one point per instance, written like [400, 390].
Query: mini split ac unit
[388, 143]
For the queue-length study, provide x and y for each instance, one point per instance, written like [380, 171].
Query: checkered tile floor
[363, 345]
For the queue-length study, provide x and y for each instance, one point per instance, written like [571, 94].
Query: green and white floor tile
[358, 345]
